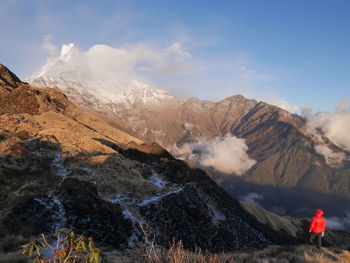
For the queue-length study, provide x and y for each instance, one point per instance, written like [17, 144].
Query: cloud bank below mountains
[227, 154]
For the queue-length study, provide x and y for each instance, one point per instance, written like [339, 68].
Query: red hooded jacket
[318, 222]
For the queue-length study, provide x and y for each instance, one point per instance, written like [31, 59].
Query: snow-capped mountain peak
[55, 65]
[67, 52]
[100, 83]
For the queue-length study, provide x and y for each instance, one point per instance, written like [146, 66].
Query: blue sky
[296, 51]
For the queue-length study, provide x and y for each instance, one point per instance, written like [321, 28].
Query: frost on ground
[132, 240]
[116, 198]
[53, 203]
[159, 197]
[60, 216]
[217, 215]
[57, 166]
[130, 207]
[156, 180]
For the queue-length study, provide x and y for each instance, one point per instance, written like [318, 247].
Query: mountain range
[270, 152]
[62, 166]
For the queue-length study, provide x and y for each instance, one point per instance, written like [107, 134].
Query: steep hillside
[61, 166]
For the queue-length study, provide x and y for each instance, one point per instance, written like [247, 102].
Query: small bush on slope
[68, 248]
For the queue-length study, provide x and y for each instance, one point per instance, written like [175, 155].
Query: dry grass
[327, 256]
[176, 253]
[273, 254]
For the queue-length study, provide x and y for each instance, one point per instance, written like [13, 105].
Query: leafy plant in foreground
[67, 248]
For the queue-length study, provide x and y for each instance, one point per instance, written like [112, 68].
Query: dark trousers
[318, 236]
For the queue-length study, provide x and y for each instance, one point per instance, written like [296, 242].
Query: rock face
[61, 166]
[198, 223]
[8, 80]
[87, 213]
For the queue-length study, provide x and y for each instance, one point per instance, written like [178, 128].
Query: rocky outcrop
[8, 80]
[187, 215]
[86, 212]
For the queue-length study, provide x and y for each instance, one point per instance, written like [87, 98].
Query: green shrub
[68, 247]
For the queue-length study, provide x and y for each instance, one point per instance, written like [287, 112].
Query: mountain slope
[277, 140]
[71, 169]
[61, 166]
[285, 153]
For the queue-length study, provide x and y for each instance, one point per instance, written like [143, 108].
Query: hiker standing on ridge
[317, 228]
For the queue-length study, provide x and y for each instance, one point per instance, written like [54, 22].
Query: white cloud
[171, 67]
[338, 223]
[333, 159]
[227, 154]
[103, 63]
[177, 51]
[48, 45]
[252, 198]
[283, 105]
[246, 69]
[335, 124]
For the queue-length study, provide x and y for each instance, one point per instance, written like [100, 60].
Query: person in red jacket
[317, 228]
